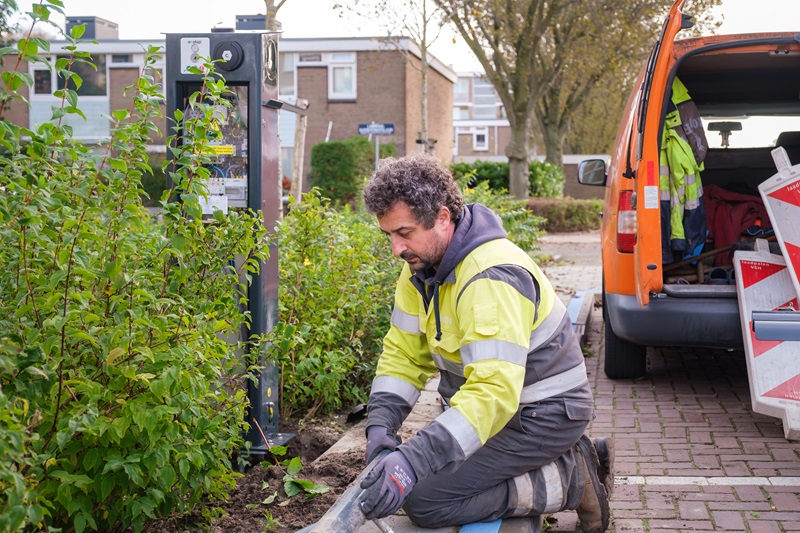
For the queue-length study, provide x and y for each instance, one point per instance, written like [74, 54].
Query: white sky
[149, 19]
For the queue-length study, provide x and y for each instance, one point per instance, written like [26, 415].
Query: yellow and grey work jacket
[683, 148]
[490, 322]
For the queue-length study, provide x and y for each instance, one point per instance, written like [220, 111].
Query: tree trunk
[553, 144]
[423, 129]
[518, 152]
[272, 14]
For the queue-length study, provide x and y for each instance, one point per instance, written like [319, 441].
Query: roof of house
[299, 44]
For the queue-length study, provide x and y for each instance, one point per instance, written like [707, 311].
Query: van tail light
[626, 222]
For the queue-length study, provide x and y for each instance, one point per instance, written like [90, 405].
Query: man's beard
[427, 260]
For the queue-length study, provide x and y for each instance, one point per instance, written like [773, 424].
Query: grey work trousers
[483, 488]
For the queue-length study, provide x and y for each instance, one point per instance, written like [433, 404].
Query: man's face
[411, 241]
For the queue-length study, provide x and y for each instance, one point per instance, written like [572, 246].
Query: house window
[480, 140]
[484, 99]
[484, 111]
[94, 81]
[460, 113]
[342, 76]
[286, 77]
[120, 58]
[310, 58]
[461, 90]
[42, 82]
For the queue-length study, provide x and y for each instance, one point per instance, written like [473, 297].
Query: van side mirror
[592, 172]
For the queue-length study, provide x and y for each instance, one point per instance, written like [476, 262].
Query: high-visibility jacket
[683, 214]
[490, 322]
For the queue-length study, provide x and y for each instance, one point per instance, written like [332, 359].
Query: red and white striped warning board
[773, 367]
[781, 195]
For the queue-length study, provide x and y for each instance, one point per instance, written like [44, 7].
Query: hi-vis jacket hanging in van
[683, 149]
[492, 325]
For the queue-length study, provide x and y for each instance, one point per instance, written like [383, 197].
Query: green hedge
[546, 180]
[339, 168]
[567, 214]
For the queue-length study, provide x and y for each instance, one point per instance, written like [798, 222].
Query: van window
[758, 131]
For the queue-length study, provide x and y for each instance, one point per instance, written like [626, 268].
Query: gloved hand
[378, 439]
[387, 486]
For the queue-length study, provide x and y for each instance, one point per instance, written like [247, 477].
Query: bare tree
[545, 57]
[272, 14]
[420, 20]
[506, 37]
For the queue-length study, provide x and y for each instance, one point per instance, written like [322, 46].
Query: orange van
[681, 187]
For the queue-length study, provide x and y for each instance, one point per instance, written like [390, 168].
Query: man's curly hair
[418, 180]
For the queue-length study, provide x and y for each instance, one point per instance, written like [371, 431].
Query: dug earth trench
[258, 502]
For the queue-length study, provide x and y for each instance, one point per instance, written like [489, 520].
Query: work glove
[378, 439]
[387, 486]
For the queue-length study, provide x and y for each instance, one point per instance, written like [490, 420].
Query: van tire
[623, 359]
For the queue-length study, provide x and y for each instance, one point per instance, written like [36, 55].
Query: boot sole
[605, 453]
[590, 452]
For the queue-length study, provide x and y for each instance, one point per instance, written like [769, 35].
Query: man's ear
[443, 217]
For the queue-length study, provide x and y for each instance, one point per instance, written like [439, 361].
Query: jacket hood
[478, 224]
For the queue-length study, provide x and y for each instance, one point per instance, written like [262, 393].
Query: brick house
[481, 132]
[481, 129]
[119, 63]
[352, 81]
[347, 82]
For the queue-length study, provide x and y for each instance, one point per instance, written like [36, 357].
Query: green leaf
[71, 97]
[113, 355]
[12, 80]
[119, 164]
[291, 488]
[167, 474]
[80, 523]
[91, 459]
[315, 488]
[294, 466]
[78, 30]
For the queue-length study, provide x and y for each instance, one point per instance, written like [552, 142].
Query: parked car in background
[681, 187]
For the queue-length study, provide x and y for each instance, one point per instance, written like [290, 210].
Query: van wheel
[624, 360]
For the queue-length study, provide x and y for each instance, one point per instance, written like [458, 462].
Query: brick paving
[690, 453]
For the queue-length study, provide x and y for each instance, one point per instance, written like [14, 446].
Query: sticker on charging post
[650, 197]
[195, 51]
[220, 149]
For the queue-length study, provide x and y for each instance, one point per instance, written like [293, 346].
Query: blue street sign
[376, 129]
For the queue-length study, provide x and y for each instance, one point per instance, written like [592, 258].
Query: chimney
[96, 28]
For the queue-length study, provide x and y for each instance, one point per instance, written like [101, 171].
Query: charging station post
[244, 174]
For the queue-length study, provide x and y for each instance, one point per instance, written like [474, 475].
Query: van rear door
[647, 253]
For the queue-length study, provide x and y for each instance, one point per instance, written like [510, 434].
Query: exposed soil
[245, 510]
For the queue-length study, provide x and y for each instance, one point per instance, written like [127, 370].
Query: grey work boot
[593, 511]
[605, 454]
